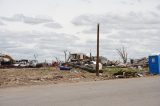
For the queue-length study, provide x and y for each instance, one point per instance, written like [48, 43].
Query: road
[121, 92]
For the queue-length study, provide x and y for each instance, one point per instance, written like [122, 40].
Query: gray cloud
[46, 45]
[138, 32]
[53, 25]
[109, 21]
[110, 18]
[158, 7]
[27, 19]
[130, 2]
[87, 1]
[1, 23]
[138, 44]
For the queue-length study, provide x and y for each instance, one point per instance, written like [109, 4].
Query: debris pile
[143, 62]
[6, 60]
[78, 67]
[25, 63]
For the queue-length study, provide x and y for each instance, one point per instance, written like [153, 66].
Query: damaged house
[78, 57]
[6, 60]
[143, 62]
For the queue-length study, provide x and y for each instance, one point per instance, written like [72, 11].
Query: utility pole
[97, 62]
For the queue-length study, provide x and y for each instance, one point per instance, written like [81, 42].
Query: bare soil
[30, 76]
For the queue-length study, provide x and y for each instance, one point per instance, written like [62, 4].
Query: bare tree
[69, 56]
[35, 56]
[57, 59]
[65, 55]
[123, 54]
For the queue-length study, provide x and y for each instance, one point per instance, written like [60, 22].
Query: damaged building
[143, 62]
[6, 60]
[78, 57]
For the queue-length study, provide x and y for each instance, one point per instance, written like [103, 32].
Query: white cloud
[47, 27]
[46, 45]
[139, 32]
[118, 19]
[53, 25]
[158, 7]
[27, 19]
[1, 23]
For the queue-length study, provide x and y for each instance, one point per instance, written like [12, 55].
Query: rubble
[25, 63]
[6, 60]
[91, 67]
[78, 67]
[78, 57]
[143, 62]
[129, 74]
[140, 75]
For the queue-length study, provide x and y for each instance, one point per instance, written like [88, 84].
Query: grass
[113, 70]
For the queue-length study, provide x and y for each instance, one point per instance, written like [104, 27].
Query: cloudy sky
[48, 27]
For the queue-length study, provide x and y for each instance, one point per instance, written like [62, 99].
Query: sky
[46, 28]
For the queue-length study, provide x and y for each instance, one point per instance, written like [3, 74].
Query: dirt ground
[50, 75]
[31, 76]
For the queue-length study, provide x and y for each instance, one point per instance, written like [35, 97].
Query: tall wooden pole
[97, 63]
